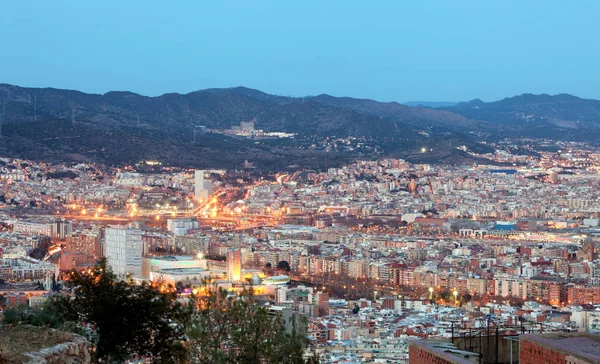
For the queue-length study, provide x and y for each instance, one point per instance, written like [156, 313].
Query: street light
[455, 297]
[430, 293]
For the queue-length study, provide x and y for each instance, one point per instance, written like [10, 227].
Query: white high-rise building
[123, 250]
[234, 266]
[202, 187]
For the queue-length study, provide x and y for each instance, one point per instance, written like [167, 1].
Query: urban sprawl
[375, 254]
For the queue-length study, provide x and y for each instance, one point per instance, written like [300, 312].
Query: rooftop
[446, 350]
[181, 271]
[172, 258]
[581, 345]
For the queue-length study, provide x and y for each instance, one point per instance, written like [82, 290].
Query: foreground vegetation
[125, 321]
[17, 340]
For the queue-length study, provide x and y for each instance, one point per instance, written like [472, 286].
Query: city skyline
[372, 253]
[300, 182]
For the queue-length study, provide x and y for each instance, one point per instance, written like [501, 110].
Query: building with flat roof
[276, 280]
[202, 186]
[550, 348]
[123, 248]
[172, 276]
[579, 348]
[154, 264]
[439, 352]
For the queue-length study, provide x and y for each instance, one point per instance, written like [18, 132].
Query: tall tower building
[60, 229]
[202, 186]
[123, 250]
[234, 266]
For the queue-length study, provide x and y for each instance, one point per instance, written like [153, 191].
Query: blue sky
[386, 50]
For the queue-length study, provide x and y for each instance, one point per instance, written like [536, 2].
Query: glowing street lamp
[455, 297]
[430, 293]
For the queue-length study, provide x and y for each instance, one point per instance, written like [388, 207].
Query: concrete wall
[76, 351]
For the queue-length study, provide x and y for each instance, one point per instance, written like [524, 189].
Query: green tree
[128, 320]
[236, 329]
[284, 265]
[13, 315]
[50, 314]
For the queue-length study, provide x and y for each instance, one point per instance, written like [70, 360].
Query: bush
[145, 322]
[236, 329]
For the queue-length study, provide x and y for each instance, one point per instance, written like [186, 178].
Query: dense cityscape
[373, 253]
[309, 182]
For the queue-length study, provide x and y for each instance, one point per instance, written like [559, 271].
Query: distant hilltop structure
[247, 129]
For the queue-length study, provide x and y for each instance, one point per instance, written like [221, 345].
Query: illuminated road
[101, 218]
[207, 212]
[202, 208]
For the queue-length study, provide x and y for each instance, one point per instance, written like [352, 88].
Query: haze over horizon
[424, 51]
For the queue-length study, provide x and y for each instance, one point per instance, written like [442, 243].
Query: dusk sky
[384, 50]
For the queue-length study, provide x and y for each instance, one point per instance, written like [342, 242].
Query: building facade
[124, 250]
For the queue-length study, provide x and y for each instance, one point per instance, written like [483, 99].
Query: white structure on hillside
[123, 248]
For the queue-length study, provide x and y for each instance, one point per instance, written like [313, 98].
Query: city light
[183, 218]
[388, 232]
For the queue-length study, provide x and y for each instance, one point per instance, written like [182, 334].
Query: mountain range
[123, 127]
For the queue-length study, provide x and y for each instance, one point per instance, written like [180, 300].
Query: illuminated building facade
[234, 265]
[124, 250]
[202, 186]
